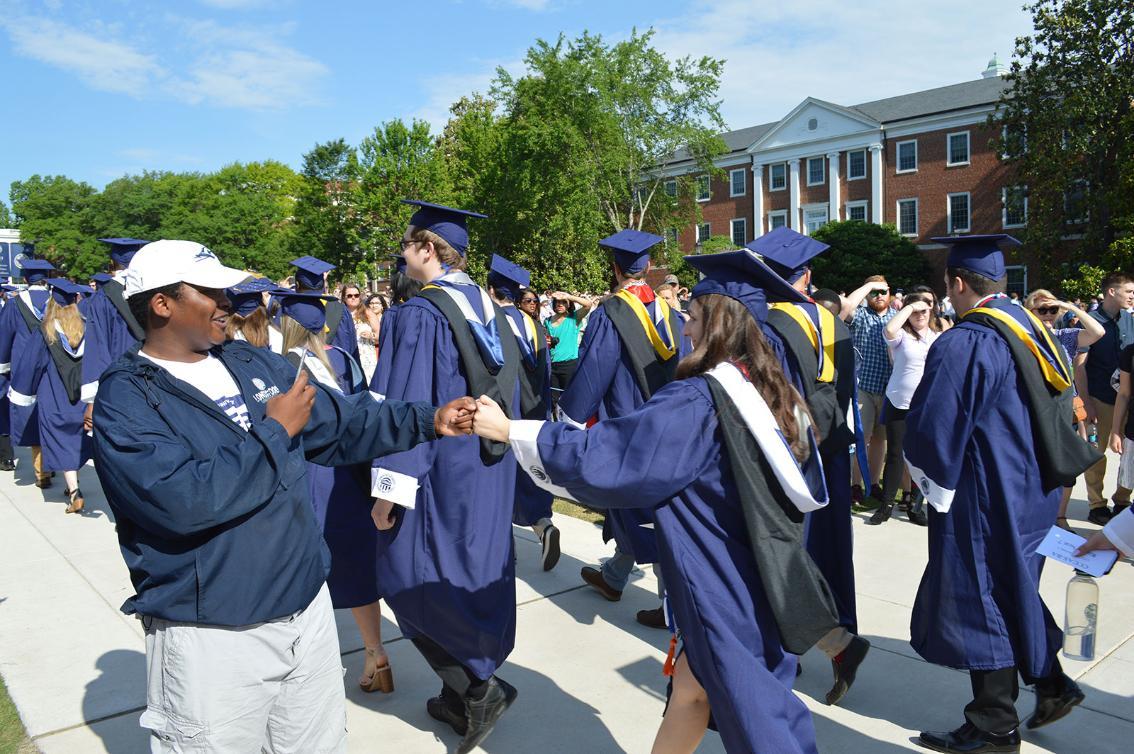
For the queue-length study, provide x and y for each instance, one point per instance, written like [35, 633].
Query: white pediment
[814, 121]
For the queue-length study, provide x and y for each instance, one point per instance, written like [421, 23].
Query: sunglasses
[876, 294]
[528, 300]
[354, 295]
[1047, 310]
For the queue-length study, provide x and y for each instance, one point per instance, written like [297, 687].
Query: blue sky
[95, 89]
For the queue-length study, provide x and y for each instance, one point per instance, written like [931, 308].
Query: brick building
[923, 162]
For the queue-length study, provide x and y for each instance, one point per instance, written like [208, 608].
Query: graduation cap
[122, 250]
[744, 276]
[309, 272]
[307, 309]
[787, 252]
[35, 270]
[979, 254]
[445, 221]
[101, 278]
[248, 296]
[508, 278]
[631, 249]
[65, 292]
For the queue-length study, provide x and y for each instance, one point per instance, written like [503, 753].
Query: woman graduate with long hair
[728, 447]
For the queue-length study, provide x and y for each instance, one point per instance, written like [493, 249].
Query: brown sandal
[382, 677]
[76, 498]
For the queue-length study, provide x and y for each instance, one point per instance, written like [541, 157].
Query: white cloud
[845, 53]
[536, 5]
[99, 61]
[443, 91]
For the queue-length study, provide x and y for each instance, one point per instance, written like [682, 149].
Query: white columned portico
[876, 184]
[757, 200]
[833, 178]
[793, 184]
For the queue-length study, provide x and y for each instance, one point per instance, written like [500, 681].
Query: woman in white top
[909, 335]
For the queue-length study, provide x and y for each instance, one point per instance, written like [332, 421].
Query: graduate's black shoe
[916, 515]
[593, 576]
[1052, 708]
[882, 515]
[483, 713]
[550, 542]
[845, 667]
[969, 739]
[439, 710]
[7, 464]
[653, 618]
[1100, 516]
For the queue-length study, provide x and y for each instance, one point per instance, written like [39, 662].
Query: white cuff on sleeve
[87, 393]
[400, 489]
[523, 437]
[563, 417]
[937, 496]
[19, 399]
[6, 367]
[1120, 532]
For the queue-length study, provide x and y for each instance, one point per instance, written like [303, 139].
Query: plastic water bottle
[1093, 434]
[1081, 617]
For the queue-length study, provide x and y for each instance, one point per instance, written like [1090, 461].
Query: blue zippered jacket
[215, 523]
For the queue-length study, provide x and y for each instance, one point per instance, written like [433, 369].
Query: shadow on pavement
[114, 667]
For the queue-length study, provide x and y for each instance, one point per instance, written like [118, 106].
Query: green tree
[6, 219]
[1068, 127]
[326, 210]
[54, 212]
[396, 162]
[859, 250]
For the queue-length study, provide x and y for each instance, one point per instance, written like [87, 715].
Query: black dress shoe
[483, 713]
[917, 516]
[593, 576]
[1051, 708]
[438, 709]
[652, 618]
[881, 515]
[7, 464]
[969, 739]
[845, 667]
[1100, 516]
[550, 542]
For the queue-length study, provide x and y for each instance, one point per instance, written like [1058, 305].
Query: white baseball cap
[163, 263]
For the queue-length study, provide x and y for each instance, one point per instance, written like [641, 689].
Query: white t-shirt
[909, 355]
[211, 377]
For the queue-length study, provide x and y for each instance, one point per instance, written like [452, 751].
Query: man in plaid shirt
[873, 366]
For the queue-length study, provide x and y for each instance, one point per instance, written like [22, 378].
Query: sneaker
[881, 516]
[550, 543]
[651, 618]
[485, 712]
[1100, 516]
[1118, 508]
[439, 710]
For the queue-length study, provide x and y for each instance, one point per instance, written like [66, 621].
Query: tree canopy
[860, 249]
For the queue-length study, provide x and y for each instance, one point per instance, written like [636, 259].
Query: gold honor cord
[1056, 377]
[639, 309]
[826, 334]
[530, 329]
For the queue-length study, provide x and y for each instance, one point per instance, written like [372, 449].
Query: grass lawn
[567, 508]
[13, 738]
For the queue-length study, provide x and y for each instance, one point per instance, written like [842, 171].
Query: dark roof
[905, 106]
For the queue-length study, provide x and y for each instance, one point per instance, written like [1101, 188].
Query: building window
[1075, 203]
[671, 188]
[1015, 212]
[671, 236]
[907, 217]
[907, 156]
[738, 182]
[702, 188]
[857, 210]
[739, 231]
[704, 230]
[1014, 142]
[958, 215]
[958, 148]
[777, 219]
[856, 165]
[1017, 280]
[816, 171]
[777, 178]
[814, 218]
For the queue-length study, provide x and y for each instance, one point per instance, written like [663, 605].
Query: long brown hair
[924, 298]
[254, 327]
[69, 319]
[729, 333]
[295, 334]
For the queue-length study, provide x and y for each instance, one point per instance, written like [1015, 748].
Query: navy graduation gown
[7, 336]
[340, 496]
[604, 385]
[23, 377]
[533, 503]
[346, 336]
[969, 448]
[446, 567]
[671, 450]
[66, 445]
[107, 338]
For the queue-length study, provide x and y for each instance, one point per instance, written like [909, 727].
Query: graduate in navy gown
[445, 563]
[249, 320]
[980, 434]
[7, 461]
[55, 380]
[733, 477]
[19, 327]
[629, 351]
[506, 281]
[310, 277]
[111, 328]
[340, 495]
[820, 355]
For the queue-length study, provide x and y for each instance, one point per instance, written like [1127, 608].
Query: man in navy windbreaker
[201, 446]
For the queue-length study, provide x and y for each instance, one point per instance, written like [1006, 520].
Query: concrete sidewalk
[589, 676]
